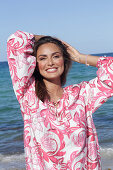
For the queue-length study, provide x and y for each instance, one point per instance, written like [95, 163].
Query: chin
[55, 79]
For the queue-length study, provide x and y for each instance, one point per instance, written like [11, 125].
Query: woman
[59, 133]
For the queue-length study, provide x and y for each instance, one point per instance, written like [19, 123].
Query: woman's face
[50, 61]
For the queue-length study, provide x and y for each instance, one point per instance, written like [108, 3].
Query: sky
[85, 24]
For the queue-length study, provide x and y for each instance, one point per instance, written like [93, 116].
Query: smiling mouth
[51, 70]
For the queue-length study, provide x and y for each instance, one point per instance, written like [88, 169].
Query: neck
[55, 90]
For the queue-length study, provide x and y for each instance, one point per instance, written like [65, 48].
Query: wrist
[83, 58]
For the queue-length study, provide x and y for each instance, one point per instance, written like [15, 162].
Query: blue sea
[11, 123]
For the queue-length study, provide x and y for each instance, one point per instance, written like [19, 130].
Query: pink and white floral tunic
[67, 142]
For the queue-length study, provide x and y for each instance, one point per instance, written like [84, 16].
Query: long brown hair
[40, 88]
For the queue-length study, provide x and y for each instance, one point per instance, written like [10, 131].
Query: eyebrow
[44, 55]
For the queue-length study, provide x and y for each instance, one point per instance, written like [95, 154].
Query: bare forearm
[81, 58]
[87, 59]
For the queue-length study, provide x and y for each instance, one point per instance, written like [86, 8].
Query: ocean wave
[107, 158]
[17, 161]
[12, 162]
[107, 152]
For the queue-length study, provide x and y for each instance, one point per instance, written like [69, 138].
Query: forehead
[48, 48]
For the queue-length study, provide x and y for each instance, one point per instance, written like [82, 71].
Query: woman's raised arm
[21, 61]
[99, 89]
[81, 58]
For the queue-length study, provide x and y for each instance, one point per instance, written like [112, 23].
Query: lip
[51, 70]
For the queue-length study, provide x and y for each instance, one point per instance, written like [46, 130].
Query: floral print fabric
[66, 142]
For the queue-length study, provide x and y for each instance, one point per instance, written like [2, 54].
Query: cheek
[40, 66]
[61, 62]
[62, 65]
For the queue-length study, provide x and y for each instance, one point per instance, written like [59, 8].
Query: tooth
[52, 69]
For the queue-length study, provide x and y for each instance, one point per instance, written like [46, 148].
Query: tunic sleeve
[100, 89]
[21, 61]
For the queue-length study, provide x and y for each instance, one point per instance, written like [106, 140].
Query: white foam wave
[17, 162]
[12, 162]
[106, 152]
[107, 158]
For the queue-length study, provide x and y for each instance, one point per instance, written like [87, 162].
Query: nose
[50, 62]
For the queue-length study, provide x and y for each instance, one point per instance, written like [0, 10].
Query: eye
[57, 56]
[42, 58]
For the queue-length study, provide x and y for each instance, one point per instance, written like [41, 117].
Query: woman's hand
[81, 58]
[37, 37]
[75, 54]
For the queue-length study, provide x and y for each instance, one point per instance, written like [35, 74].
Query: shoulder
[74, 91]
[75, 87]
